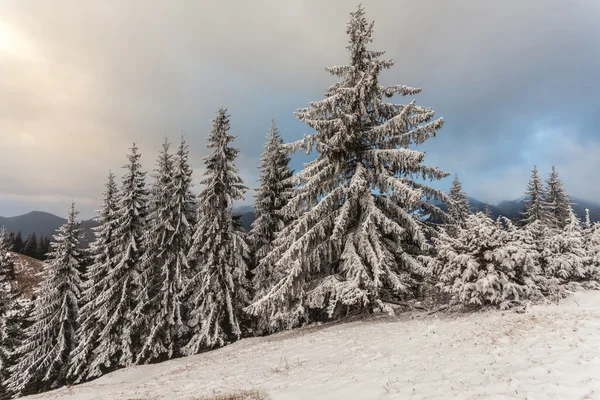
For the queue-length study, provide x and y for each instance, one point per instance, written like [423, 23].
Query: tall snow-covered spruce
[117, 341]
[271, 196]
[170, 230]
[558, 201]
[358, 241]
[102, 251]
[536, 207]
[50, 340]
[217, 292]
[458, 202]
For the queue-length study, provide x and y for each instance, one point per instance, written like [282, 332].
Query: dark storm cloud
[515, 81]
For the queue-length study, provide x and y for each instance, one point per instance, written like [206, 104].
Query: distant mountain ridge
[45, 224]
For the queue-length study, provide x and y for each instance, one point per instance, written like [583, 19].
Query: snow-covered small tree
[272, 195]
[458, 202]
[592, 246]
[588, 222]
[102, 251]
[487, 211]
[557, 200]
[218, 289]
[564, 251]
[45, 354]
[170, 230]
[358, 241]
[118, 338]
[536, 207]
[521, 253]
[484, 264]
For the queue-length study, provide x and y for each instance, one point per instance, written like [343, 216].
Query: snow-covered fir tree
[484, 264]
[12, 335]
[487, 211]
[564, 251]
[103, 252]
[7, 273]
[271, 196]
[458, 202]
[588, 221]
[536, 207]
[118, 340]
[521, 253]
[358, 241]
[557, 200]
[170, 229]
[10, 316]
[45, 354]
[218, 290]
[592, 247]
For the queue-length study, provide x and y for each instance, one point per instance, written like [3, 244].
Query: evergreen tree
[46, 351]
[118, 341]
[271, 196]
[10, 321]
[458, 203]
[358, 241]
[30, 248]
[486, 211]
[484, 264]
[40, 251]
[219, 250]
[564, 251]
[18, 243]
[521, 252]
[97, 283]
[46, 247]
[588, 223]
[558, 201]
[593, 251]
[170, 230]
[11, 241]
[536, 207]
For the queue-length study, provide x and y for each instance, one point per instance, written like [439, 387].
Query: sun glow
[3, 37]
[12, 43]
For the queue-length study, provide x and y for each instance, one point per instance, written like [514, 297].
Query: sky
[80, 81]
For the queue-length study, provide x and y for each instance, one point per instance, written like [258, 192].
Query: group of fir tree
[31, 247]
[479, 261]
[174, 274]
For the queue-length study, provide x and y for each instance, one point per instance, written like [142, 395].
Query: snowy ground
[551, 352]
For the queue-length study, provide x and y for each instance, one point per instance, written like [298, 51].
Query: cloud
[80, 85]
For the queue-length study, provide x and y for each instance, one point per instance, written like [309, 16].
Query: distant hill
[43, 224]
[513, 208]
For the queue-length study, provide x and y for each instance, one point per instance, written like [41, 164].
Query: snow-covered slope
[28, 271]
[550, 352]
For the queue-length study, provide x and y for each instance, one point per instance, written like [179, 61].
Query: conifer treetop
[458, 205]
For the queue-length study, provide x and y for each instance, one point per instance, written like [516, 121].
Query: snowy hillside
[549, 352]
[28, 272]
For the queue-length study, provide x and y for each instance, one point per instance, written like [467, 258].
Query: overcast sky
[516, 81]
